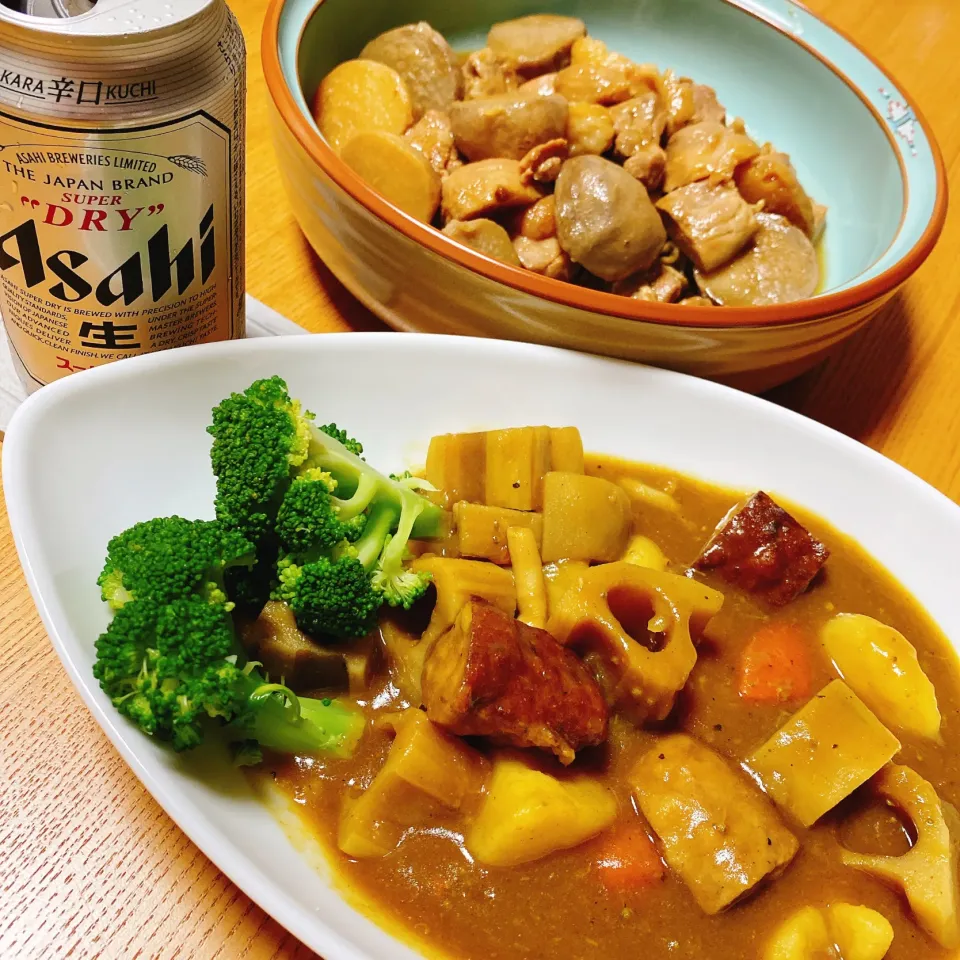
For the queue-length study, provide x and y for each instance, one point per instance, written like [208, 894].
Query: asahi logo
[153, 271]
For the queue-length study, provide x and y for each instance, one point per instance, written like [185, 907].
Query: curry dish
[617, 887]
[548, 151]
[537, 704]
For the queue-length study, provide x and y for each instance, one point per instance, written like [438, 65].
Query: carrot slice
[627, 859]
[775, 665]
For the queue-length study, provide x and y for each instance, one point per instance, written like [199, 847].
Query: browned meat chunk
[424, 60]
[779, 267]
[710, 223]
[762, 549]
[703, 150]
[491, 675]
[543, 86]
[718, 831]
[535, 44]
[507, 125]
[432, 136]
[706, 107]
[770, 177]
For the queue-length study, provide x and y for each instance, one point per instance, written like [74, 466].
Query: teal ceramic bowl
[858, 142]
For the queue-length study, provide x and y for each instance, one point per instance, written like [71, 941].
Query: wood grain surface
[90, 866]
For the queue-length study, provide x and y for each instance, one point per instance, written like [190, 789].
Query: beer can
[121, 182]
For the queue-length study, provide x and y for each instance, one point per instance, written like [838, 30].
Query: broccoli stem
[280, 720]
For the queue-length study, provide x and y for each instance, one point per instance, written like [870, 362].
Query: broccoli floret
[169, 667]
[168, 558]
[331, 430]
[336, 589]
[260, 439]
[312, 518]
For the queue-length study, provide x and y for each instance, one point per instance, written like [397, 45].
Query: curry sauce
[431, 892]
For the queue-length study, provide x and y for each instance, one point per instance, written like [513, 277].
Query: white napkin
[261, 322]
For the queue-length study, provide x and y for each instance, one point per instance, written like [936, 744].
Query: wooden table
[90, 865]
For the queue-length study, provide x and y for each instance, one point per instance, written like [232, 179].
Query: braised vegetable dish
[537, 703]
[548, 151]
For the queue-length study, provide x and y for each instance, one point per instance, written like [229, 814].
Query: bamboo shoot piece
[827, 749]
[528, 576]
[482, 530]
[517, 460]
[456, 464]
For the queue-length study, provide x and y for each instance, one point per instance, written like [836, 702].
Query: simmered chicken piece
[639, 122]
[770, 177]
[716, 829]
[425, 62]
[678, 93]
[507, 125]
[660, 284]
[535, 44]
[761, 548]
[542, 163]
[710, 223]
[544, 257]
[704, 151]
[432, 135]
[476, 189]
[491, 675]
[605, 220]
[485, 76]
[780, 266]
[706, 107]
[589, 129]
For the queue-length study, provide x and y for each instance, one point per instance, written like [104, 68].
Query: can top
[110, 18]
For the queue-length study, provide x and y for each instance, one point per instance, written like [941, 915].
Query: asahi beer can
[121, 182]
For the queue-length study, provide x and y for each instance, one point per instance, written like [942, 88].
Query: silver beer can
[121, 182]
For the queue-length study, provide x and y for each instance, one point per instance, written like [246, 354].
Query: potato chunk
[605, 220]
[841, 931]
[527, 815]
[827, 749]
[635, 625]
[881, 667]
[717, 831]
[425, 62]
[482, 530]
[359, 96]
[396, 170]
[927, 875]
[426, 772]
[484, 236]
[477, 189]
[644, 552]
[584, 518]
[457, 581]
[535, 43]
[508, 125]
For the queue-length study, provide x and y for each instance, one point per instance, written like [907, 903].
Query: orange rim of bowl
[595, 301]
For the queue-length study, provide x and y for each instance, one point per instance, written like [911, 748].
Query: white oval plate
[90, 455]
